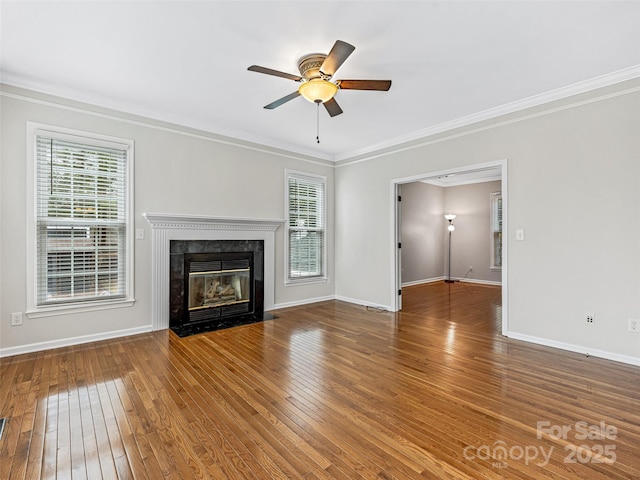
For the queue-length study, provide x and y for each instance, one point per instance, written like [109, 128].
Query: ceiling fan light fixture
[318, 90]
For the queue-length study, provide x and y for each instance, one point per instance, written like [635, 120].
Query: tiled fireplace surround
[167, 227]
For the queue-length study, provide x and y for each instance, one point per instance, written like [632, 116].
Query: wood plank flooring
[325, 391]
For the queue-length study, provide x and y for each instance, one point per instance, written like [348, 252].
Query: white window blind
[306, 226]
[496, 230]
[81, 219]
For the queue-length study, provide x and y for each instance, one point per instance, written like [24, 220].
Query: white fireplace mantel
[166, 227]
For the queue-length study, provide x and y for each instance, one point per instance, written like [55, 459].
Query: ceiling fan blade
[332, 107]
[282, 100]
[276, 73]
[382, 85]
[338, 54]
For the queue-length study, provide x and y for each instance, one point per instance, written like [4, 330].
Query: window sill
[305, 281]
[53, 311]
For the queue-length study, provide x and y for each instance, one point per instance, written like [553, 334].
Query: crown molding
[389, 146]
[119, 107]
[246, 140]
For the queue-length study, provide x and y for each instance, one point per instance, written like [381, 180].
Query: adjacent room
[318, 239]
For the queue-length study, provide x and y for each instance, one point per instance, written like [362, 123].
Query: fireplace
[167, 227]
[215, 284]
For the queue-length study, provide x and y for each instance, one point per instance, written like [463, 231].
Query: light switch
[139, 233]
[520, 234]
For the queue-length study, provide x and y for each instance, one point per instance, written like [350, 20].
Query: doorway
[460, 175]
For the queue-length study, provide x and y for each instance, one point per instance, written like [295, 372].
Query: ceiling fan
[316, 72]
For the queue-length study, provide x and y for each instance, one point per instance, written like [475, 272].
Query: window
[496, 230]
[305, 227]
[82, 219]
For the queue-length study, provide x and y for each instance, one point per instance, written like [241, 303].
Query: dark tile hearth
[219, 324]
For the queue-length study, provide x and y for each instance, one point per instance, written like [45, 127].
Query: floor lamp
[451, 228]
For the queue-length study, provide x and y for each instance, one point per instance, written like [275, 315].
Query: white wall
[574, 186]
[471, 240]
[176, 171]
[425, 236]
[423, 251]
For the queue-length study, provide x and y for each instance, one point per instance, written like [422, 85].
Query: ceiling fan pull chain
[318, 122]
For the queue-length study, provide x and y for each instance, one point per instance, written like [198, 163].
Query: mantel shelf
[173, 220]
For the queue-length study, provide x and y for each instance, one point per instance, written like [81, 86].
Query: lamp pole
[451, 228]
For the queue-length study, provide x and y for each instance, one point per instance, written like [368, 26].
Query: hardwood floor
[325, 391]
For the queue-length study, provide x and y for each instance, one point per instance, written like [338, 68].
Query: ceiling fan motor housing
[309, 66]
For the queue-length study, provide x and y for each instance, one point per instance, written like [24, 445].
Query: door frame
[396, 273]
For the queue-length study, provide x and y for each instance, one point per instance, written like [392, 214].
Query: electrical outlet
[471, 268]
[16, 319]
[590, 319]
[634, 325]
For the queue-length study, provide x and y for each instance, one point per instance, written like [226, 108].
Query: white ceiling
[186, 62]
[466, 177]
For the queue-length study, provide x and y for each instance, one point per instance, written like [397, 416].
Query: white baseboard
[355, 301]
[616, 357]
[423, 281]
[363, 303]
[306, 301]
[66, 342]
[331, 297]
[458, 279]
[479, 282]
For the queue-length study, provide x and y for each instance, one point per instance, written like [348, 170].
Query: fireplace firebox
[218, 285]
[215, 284]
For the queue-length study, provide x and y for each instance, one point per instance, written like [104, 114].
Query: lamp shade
[449, 216]
[451, 228]
[318, 90]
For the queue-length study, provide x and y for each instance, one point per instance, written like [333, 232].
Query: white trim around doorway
[396, 278]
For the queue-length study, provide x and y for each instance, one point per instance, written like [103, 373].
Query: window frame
[323, 277]
[494, 197]
[76, 306]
